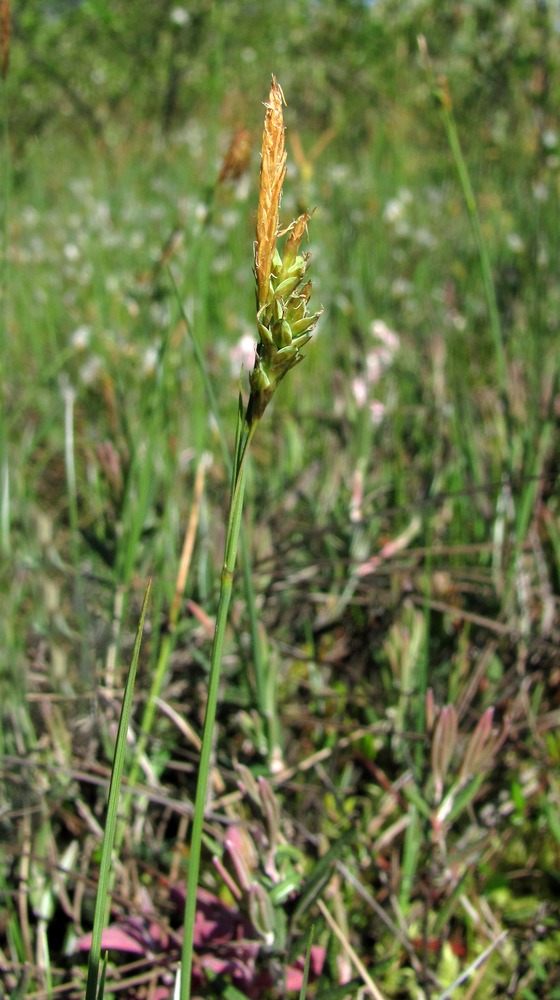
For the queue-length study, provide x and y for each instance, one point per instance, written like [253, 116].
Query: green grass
[106, 422]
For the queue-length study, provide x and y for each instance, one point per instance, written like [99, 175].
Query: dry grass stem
[188, 543]
[351, 952]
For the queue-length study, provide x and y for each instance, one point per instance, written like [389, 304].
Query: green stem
[260, 659]
[244, 439]
[103, 897]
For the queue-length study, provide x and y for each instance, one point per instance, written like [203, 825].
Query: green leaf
[321, 873]
[103, 889]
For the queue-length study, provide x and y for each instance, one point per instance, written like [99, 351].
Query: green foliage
[402, 505]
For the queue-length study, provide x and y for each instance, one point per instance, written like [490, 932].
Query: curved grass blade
[103, 888]
[303, 990]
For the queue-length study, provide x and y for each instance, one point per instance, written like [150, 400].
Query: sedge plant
[284, 326]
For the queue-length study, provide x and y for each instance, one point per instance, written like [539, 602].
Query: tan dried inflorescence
[273, 172]
[236, 160]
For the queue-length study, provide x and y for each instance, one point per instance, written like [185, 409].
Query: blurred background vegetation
[92, 65]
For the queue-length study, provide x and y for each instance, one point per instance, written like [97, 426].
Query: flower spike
[283, 323]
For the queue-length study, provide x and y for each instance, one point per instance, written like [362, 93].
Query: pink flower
[242, 354]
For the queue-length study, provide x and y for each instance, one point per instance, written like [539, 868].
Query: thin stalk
[303, 991]
[244, 438]
[448, 993]
[102, 899]
[351, 952]
[69, 397]
[423, 660]
[266, 710]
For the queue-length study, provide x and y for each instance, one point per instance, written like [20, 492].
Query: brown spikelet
[236, 160]
[5, 35]
[298, 228]
[273, 171]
